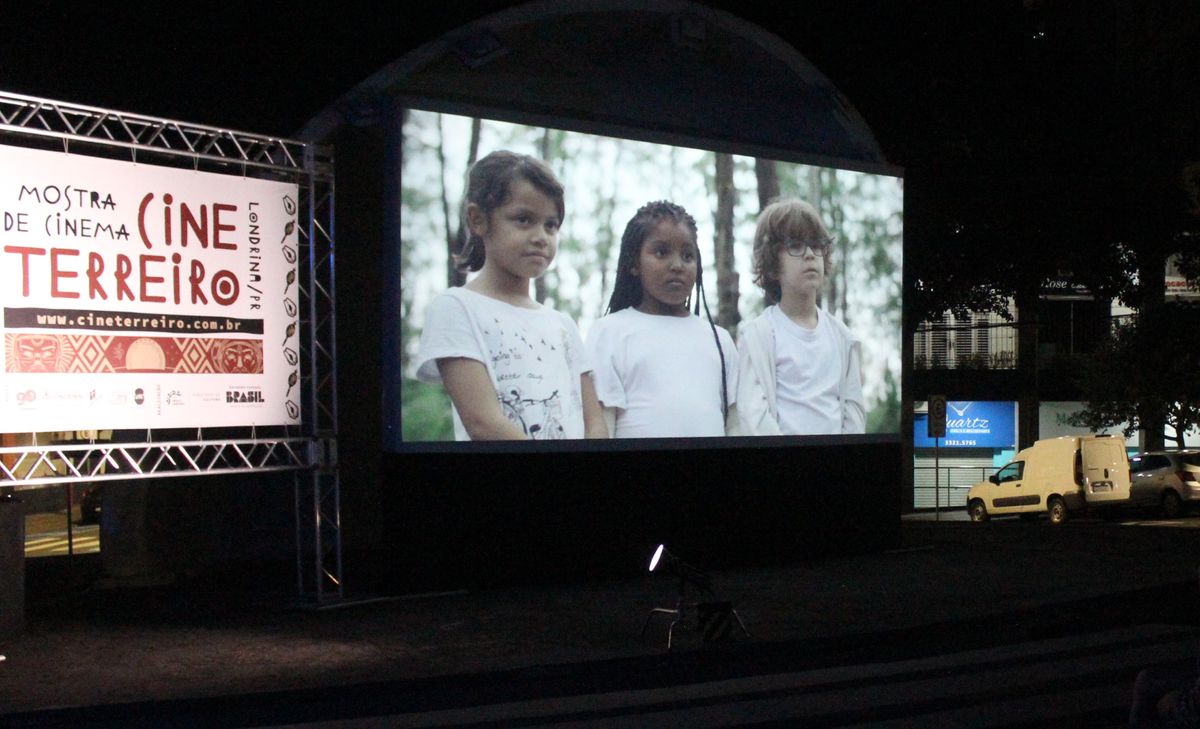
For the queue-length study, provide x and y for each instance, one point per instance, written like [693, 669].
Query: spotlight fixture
[714, 618]
[688, 575]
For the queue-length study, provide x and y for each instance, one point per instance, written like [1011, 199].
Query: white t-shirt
[662, 372]
[807, 376]
[534, 357]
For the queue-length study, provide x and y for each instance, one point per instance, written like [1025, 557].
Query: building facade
[1007, 381]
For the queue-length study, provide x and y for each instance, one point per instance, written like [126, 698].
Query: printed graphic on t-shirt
[523, 361]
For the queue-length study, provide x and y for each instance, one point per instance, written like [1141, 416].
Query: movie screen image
[673, 292]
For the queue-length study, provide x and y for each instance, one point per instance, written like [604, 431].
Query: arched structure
[668, 68]
[669, 71]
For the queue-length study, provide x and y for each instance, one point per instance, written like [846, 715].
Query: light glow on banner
[141, 296]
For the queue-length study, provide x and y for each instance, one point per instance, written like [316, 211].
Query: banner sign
[1064, 289]
[1178, 287]
[141, 296]
[971, 424]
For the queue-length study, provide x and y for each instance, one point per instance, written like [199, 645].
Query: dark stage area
[521, 518]
[1002, 624]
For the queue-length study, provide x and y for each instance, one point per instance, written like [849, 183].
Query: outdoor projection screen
[606, 179]
[143, 296]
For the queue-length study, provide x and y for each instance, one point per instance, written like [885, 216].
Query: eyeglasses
[819, 247]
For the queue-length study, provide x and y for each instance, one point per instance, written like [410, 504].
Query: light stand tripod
[714, 618]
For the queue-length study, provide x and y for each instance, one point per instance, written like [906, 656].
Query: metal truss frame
[310, 449]
[115, 462]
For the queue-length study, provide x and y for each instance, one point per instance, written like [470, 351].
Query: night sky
[915, 70]
[1017, 120]
[264, 68]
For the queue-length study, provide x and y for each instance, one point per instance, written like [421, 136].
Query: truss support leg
[318, 538]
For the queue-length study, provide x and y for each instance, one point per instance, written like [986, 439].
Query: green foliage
[424, 412]
[962, 296]
[883, 416]
[1144, 373]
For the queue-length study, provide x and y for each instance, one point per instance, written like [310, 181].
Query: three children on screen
[651, 367]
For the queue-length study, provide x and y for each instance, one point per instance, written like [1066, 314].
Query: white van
[1056, 476]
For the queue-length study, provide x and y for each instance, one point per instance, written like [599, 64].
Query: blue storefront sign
[972, 424]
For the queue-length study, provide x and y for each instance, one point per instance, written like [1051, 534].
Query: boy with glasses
[799, 366]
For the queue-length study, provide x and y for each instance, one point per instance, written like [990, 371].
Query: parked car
[1166, 481]
[1056, 476]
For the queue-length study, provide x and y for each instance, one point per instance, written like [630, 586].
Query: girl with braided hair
[660, 369]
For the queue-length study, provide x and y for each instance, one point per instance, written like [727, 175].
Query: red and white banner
[142, 296]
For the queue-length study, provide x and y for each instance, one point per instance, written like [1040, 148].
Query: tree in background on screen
[606, 179]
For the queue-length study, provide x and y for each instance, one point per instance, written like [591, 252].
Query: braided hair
[627, 290]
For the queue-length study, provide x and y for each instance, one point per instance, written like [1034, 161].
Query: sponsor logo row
[33, 399]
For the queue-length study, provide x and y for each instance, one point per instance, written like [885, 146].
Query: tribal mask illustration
[34, 353]
[238, 357]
